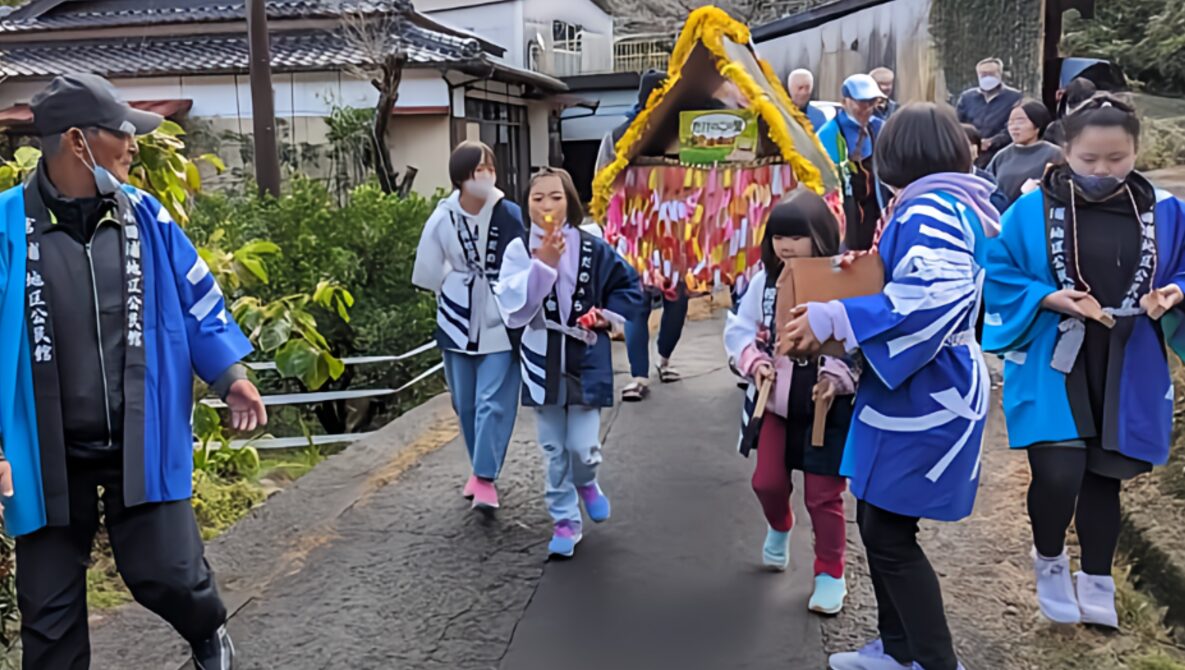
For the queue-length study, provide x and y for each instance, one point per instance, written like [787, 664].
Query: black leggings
[1063, 489]
[910, 613]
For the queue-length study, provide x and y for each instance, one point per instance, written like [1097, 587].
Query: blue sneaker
[871, 657]
[564, 539]
[595, 502]
[829, 594]
[775, 555]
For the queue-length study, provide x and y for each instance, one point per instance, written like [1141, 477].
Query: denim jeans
[637, 333]
[485, 389]
[570, 437]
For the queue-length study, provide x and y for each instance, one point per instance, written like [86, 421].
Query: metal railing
[638, 53]
[317, 397]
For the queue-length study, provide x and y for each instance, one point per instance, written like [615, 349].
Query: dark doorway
[504, 127]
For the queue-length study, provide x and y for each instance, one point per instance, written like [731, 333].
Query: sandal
[635, 392]
[668, 374]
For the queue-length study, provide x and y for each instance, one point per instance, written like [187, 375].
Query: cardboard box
[718, 136]
[806, 280]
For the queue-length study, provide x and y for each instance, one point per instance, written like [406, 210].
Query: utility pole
[263, 104]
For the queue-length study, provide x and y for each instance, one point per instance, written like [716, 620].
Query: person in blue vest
[106, 313]
[458, 258]
[849, 139]
[801, 85]
[1089, 400]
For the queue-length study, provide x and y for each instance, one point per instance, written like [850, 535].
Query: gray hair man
[886, 80]
[801, 85]
[987, 107]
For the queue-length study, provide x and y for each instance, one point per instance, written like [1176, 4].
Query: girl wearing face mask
[1021, 164]
[1092, 404]
[566, 288]
[458, 258]
[801, 226]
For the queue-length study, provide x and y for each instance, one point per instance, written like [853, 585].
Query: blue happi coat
[555, 351]
[179, 327]
[1037, 403]
[914, 444]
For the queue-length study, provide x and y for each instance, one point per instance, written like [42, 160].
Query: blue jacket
[816, 116]
[186, 330]
[839, 151]
[1037, 403]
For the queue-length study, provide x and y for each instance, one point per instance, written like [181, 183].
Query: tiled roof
[220, 54]
[111, 13]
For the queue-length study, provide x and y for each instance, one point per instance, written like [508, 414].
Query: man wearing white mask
[458, 259]
[987, 107]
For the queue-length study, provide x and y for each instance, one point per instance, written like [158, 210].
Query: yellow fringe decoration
[709, 25]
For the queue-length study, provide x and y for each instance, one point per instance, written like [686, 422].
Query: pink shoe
[485, 496]
[467, 492]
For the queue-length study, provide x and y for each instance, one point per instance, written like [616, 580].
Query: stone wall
[967, 31]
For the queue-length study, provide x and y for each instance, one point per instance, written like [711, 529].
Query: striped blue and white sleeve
[930, 290]
[215, 340]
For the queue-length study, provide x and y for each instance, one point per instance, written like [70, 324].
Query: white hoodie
[441, 267]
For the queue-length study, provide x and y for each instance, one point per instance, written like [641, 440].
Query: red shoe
[485, 496]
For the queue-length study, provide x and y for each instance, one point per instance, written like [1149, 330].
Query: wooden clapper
[805, 280]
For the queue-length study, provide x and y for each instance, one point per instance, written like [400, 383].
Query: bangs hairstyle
[465, 160]
[1037, 114]
[575, 211]
[921, 139]
[1103, 111]
[802, 207]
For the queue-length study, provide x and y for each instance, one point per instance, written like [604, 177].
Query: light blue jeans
[571, 441]
[485, 390]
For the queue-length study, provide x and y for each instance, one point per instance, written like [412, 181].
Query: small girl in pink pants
[801, 226]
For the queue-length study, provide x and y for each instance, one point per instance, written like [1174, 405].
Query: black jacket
[82, 256]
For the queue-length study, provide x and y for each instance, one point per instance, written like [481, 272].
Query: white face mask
[989, 83]
[480, 185]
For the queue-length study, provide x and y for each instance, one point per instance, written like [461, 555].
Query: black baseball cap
[85, 101]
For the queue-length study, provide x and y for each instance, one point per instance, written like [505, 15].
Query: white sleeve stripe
[203, 307]
[198, 272]
[906, 342]
[937, 234]
[163, 216]
[920, 259]
[948, 217]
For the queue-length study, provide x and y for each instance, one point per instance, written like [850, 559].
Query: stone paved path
[374, 560]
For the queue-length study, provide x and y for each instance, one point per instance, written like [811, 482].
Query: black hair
[466, 158]
[921, 139]
[802, 213]
[1103, 111]
[973, 136]
[1078, 91]
[1037, 113]
[575, 211]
